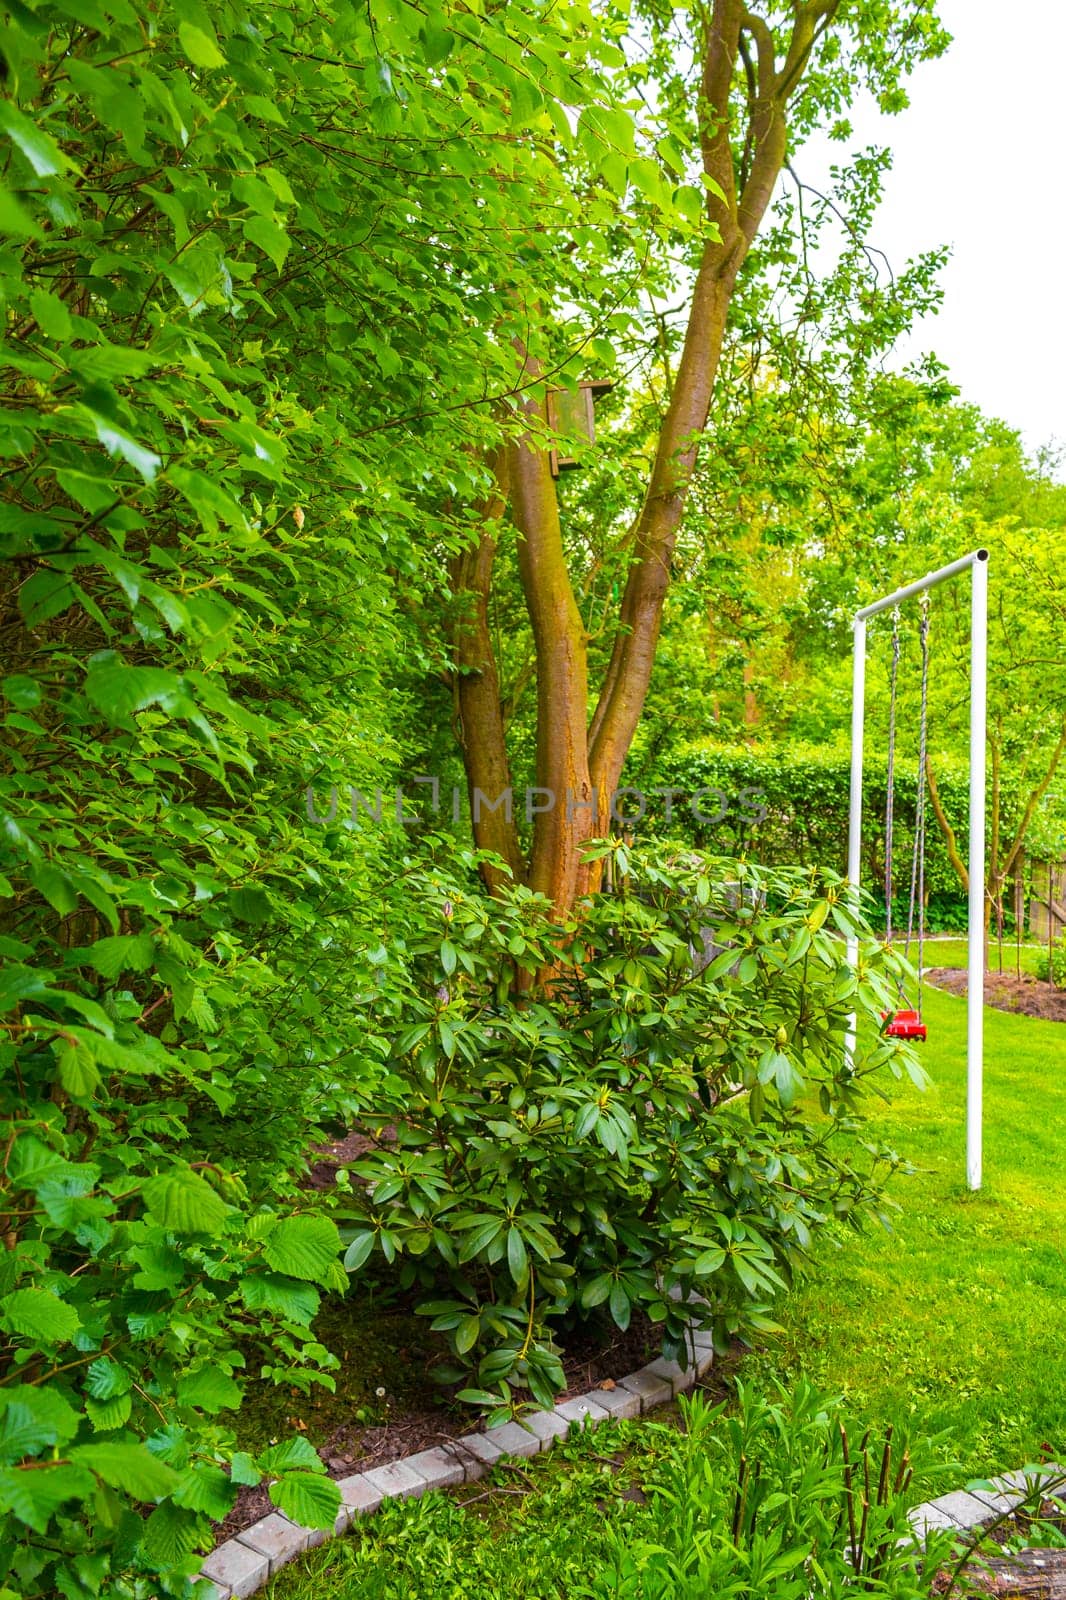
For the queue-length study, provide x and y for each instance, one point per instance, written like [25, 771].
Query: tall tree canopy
[750, 84]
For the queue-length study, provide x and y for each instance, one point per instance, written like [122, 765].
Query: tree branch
[1035, 797]
[945, 827]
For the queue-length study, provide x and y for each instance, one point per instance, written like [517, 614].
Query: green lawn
[958, 1318]
[954, 1323]
[952, 953]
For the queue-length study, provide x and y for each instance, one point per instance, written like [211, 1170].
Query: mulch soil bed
[588, 1363]
[1006, 991]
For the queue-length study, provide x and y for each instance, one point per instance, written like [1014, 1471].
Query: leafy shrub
[127, 1302]
[223, 443]
[643, 1128]
[1051, 964]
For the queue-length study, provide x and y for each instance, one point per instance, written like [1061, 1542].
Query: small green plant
[1051, 963]
[772, 1502]
[638, 1131]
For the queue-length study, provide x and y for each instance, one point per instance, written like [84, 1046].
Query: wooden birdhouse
[570, 414]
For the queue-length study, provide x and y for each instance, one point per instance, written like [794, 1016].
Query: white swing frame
[976, 563]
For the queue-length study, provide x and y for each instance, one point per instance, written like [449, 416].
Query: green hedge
[223, 442]
[805, 794]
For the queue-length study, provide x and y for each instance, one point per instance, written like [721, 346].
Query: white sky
[978, 165]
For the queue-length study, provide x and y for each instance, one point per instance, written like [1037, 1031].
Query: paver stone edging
[252, 1557]
[249, 1560]
[965, 1510]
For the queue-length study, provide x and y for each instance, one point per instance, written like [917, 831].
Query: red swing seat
[904, 1025]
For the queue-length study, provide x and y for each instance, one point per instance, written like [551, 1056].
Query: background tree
[926, 480]
[754, 81]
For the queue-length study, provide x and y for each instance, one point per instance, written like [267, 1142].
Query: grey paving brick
[358, 1499]
[951, 1512]
[237, 1567]
[213, 1591]
[396, 1481]
[618, 1402]
[478, 1449]
[685, 1297]
[546, 1425]
[316, 1536]
[677, 1376]
[998, 1504]
[440, 1468]
[652, 1390]
[276, 1538]
[1023, 1481]
[583, 1408]
[514, 1440]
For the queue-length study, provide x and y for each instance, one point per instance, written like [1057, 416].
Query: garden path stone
[999, 1503]
[358, 1499]
[673, 1373]
[479, 1450]
[514, 1440]
[214, 1591]
[957, 1510]
[440, 1467]
[618, 1402]
[583, 1407]
[701, 1339]
[547, 1426]
[652, 1389]
[396, 1481]
[1022, 1480]
[237, 1568]
[276, 1538]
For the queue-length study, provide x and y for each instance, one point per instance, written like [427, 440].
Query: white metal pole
[858, 720]
[975, 982]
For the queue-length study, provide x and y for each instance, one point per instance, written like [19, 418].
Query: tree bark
[564, 814]
[1037, 1573]
[477, 686]
[628, 676]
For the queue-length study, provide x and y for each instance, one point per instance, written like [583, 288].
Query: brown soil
[1007, 992]
[341, 1153]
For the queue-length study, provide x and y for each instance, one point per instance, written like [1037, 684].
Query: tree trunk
[477, 690]
[564, 814]
[1039, 1574]
[997, 871]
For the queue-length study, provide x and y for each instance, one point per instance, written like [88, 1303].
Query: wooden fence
[1047, 900]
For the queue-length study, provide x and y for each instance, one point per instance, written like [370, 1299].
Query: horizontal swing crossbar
[930, 581]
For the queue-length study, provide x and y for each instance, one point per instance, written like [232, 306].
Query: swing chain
[918, 859]
[890, 800]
